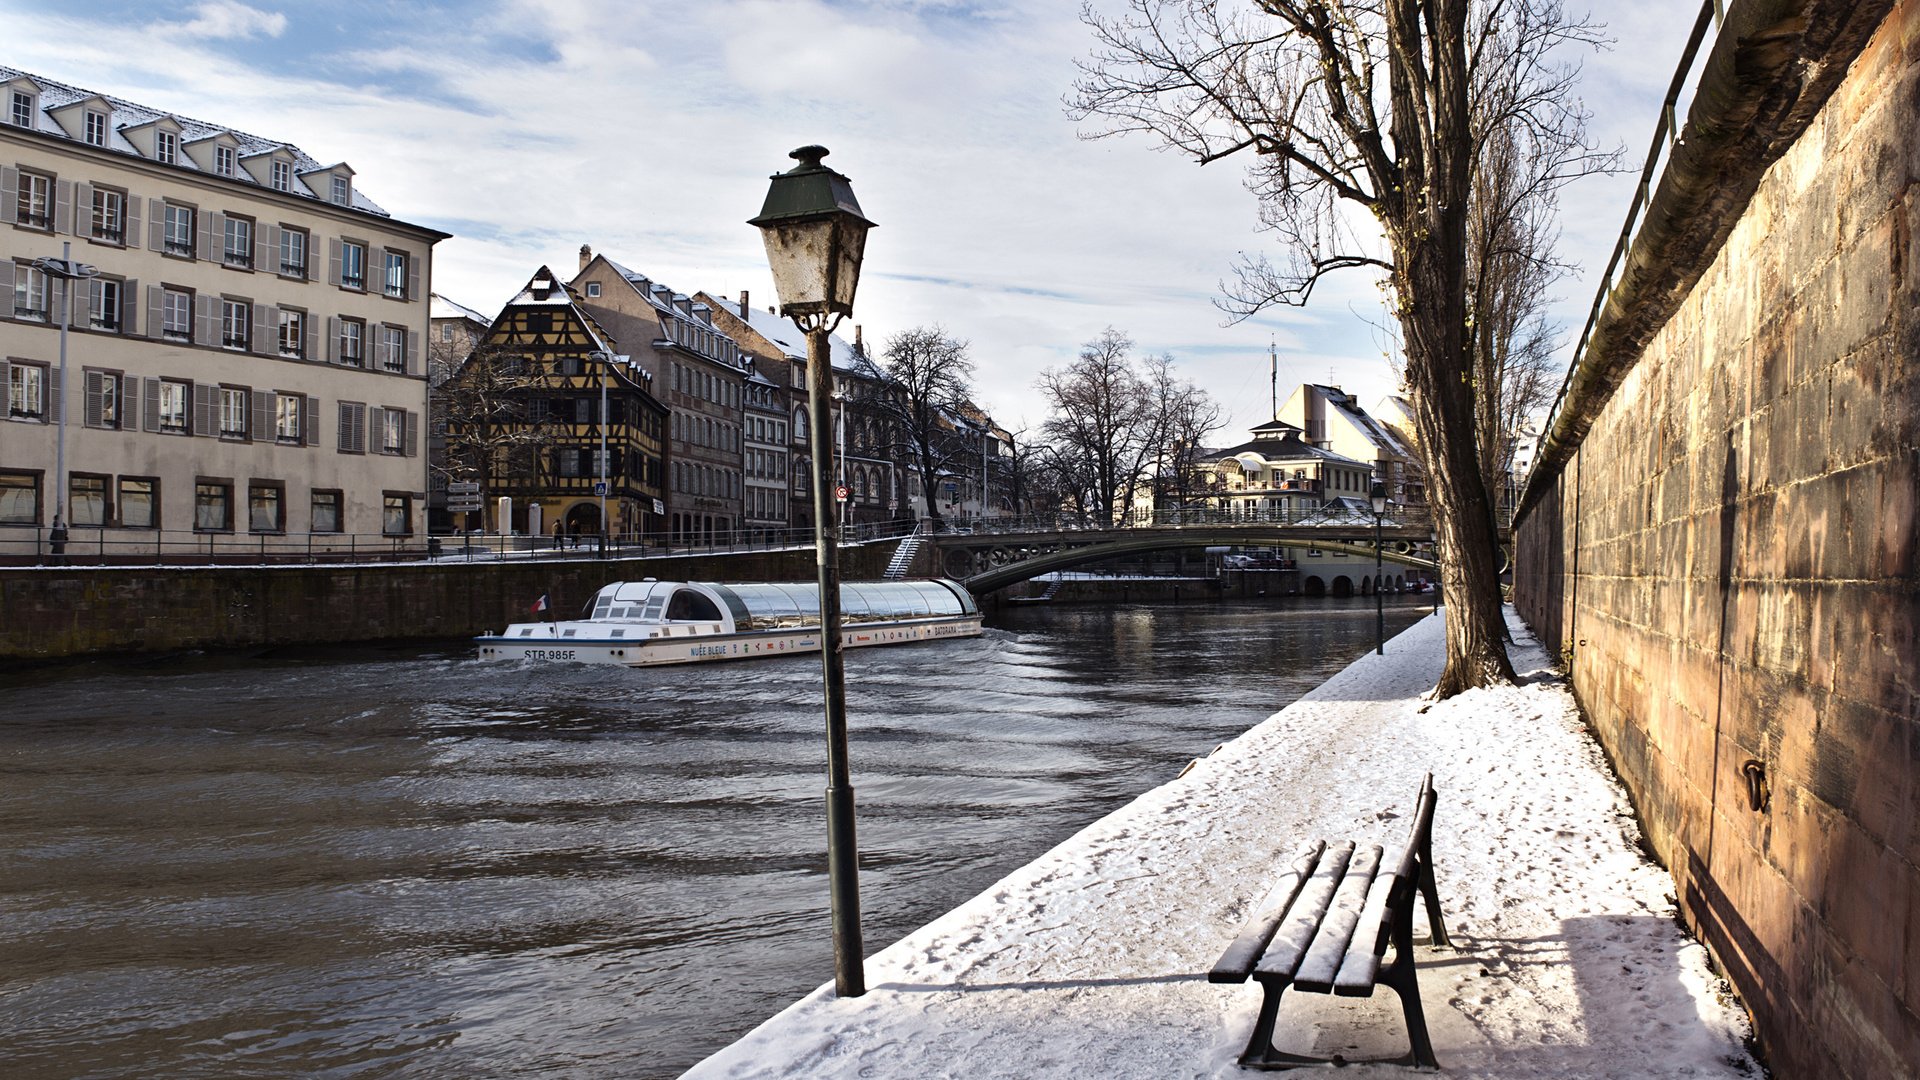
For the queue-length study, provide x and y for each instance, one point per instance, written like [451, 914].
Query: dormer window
[166, 147]
[283, 176]
[96, 128]
[342, 191]
[22, 111]
[223, 160]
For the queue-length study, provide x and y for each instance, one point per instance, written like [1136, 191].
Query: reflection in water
[370, 861]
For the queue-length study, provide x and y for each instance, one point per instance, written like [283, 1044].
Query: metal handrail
[1665, 136]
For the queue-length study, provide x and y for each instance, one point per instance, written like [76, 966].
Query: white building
[245, 371]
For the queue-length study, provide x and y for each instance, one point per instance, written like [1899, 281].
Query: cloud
[223, 20]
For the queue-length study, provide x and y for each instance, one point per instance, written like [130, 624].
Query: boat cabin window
[652, 611]
[690, 606]
[600, 607]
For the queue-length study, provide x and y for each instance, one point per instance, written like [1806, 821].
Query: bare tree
[924, 373]
[1183, 416]
[1361, 114]
[1099, 424]
[494, 428]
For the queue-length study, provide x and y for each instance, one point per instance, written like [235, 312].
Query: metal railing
[1666, 134]
[1399, 516]
[90, 546]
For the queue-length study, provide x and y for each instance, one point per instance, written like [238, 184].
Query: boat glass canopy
[765, 606]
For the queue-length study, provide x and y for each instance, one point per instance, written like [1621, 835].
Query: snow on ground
[1091, 960]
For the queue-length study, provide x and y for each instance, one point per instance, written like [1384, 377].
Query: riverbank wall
[55, 613]
[1721, 538]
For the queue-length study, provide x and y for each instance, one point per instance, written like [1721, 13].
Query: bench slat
[1290, 942]
[1329, 946]
[1361, 965]
[1237, 961]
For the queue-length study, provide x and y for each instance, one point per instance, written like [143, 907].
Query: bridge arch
[969, 559]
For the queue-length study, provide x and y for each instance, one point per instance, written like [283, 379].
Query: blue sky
[648, 130]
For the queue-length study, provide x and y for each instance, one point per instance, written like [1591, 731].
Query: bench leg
[1260, 1046]
[1432, 894]
[1400, 975]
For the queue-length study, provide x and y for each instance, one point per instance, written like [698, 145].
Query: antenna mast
[1273, 377]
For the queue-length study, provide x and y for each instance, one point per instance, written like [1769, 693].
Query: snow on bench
[1325, 926]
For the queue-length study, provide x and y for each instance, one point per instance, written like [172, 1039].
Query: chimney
[859, 346]
[586, 256]
[743, 305]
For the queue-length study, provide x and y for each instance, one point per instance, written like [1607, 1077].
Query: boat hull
[549, 644]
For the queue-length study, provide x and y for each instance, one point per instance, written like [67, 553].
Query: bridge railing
[1066, 521]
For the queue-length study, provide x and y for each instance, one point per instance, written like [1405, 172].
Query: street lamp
[815, 236]
[1433, 548]
[1379, 497]
[68, 271]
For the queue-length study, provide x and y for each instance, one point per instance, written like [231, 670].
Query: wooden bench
[1325, 927]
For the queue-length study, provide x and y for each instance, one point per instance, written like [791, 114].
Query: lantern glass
[815, 237]
[1379, 497]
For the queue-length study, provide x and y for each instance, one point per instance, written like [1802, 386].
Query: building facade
[768, 433]
[453, 332]
[699, 372]
[553, 423]
[1332, 419]
[245, 369]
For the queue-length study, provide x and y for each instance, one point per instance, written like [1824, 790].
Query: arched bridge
[985, 559]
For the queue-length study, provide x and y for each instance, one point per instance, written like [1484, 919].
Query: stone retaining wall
[1728, 562]
[56, 613]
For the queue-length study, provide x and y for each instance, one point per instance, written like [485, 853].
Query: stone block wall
[53, 614]
[1728, 562]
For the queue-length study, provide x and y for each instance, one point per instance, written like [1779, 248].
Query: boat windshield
[798, 603]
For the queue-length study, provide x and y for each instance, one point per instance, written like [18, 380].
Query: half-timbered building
[699, 373]
[531, 409]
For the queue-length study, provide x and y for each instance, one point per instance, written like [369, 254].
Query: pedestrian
[559, 536]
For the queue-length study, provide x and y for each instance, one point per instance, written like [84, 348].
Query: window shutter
[6, 288]
[94, 406]
[9, 193]
[203, 410]
[266, 248]
[312, 330]
[413, 277]
[376, 430]
[263, 430]
[313, 260]
[344, 437]
[63, 206]
[129, 304]
[82, 224]
[206, 329]
[156, 319]
[333, 260]
[266, 327]
[310, 420]
[80, 301]
[156, 224]
[333, 339]
[414, 358]
[131, 237]
[152, 411]
[413, 434]
[129, 402]
[204, 247]
[56, 396]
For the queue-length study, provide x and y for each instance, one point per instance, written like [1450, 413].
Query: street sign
[841, 493]
[464, 487]
[463, 506]
[659, 507]
[599, 489]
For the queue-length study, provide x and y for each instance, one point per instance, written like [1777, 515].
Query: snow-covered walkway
[1092, 960]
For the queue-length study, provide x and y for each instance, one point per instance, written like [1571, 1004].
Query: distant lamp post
[1379, 497]
[1433, 538]
[68, 271]
[815, 236]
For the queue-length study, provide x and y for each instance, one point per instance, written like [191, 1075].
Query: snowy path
[1091, 960]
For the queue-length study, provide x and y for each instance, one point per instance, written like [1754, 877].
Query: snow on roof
[1282, 443]
[559, 294]
[785, 336]
[128, 114]
[1373, 429]
[439, 307]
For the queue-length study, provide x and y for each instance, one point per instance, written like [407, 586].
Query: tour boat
[647, 623]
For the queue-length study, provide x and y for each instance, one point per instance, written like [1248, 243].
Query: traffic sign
[599, 489]
[841, 493]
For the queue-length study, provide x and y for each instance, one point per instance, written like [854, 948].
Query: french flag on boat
[540, 605]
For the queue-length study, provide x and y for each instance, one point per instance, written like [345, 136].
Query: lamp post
[1379, 497]
[68, 271]
[815, 236]
[1433, 538]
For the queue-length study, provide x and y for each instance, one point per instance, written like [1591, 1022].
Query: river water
[366, 862]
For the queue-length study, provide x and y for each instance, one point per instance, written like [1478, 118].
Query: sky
[648, 130]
